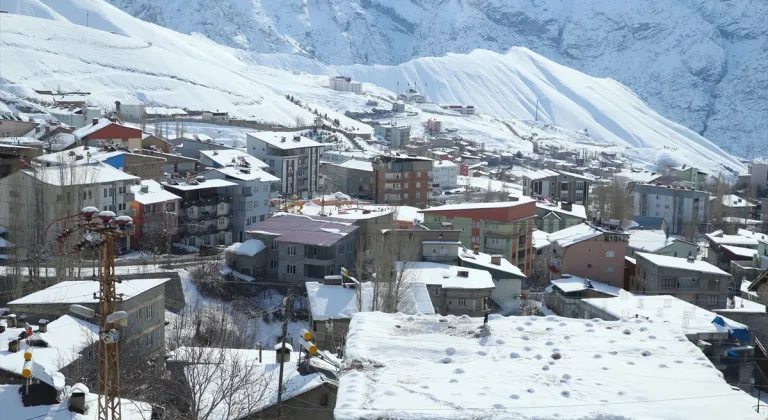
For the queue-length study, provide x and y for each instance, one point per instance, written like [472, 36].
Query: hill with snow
[126, 58]
[701, 63]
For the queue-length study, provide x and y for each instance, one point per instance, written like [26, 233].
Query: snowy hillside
[159, 66]
[701, 63]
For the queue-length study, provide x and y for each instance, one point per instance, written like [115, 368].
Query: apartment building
[684, 210]
[345, 84]
[293, 158]
[444, 175]
[692, 175]
[216, 117]
[352, 177]
[155, 215]
[556, 185]
[495, 228]
[404, 180]
[589, 251]
[553, 216]
[205, 214]
[694, 281]
[758, 175]
[103, 131]
[143, 166]
[396, 135]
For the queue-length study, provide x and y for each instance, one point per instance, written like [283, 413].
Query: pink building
[589, 251]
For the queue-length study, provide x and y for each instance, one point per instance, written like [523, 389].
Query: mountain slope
[159, 66]
[701, 63]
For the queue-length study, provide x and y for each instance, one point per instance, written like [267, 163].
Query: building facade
[291, 157]
[445, 175]
[397, 135]
[352, 177]
[205, 214]
[556, 185]
[104, 132]
[402, 180]
[155, 216]
[345, 84]
[684, 210]
[591, 252]
[216, 117]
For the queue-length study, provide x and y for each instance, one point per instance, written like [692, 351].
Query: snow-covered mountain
[702, 63]
[143, 61]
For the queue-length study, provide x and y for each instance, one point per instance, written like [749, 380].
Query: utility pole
[537, 110]
[87, 16]
[287, 305]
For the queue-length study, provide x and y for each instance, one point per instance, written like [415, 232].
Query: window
[609, 269]
[712, 300]
[521, 254]
[273, 264]
[475, 224]
[521, 240]
[90, 355]
[437, 291]
[610, 254]
[149, 340]
[290, 268]
[105, 192]
[291, 249]
[266, 203]
[418, 195]
[170, 207]
[148, 310]
[111, 191]
[273, 245]
[462, 302]
[418, 185]
[261, 218]
[668, 283]
[712, 284]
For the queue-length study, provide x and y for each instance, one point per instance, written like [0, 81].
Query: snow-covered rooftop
[577, 210]
[662, 309]
[574, 234]
[681, 263]
[721, 239]
[161, 110]
[231, 157]
[761, 237]
[209, 183]
[357, 165]
[248, 248]
[352, 211]
[746, 253]
[526, 368]
[743, 305]
[408, 214]
[479, 206]
[734, 201]
[327, 301]
[540, 239]
[577, 284]
[78, 155]
[285, 141]
[155, 193]
[484, 260]
[446, 276]
[96, 173]
[642, 177]
[250, 174]
[82, 291]
[444, 163]
[649, 240]
[92, 128]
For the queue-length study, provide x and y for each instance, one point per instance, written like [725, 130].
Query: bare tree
[718, 211]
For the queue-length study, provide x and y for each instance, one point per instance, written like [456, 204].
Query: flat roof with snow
[82, 291]
[248, 248]
[351, 212]
[208, 183]
[327, 301]
[483, 259]
[524, 368]
[155, 193]
[247, 174]
[231, 157]
[358, 165]
[446, 276]
[577, 210]
[719, 238]
[479, 206]
[283, 140]
[572, 284]
[746, 253]
[681, 263]
[649, 240]
[575, 234]
[96, 173]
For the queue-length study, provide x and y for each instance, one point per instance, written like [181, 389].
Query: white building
[76, 117]
[128, 109]
[461, 109]
[758, 175]
[685, 210]
[291, 157]
[216, 117]
[341, 156]
[251, 197]
[412, 95]
[444, 175]
[345, 84]
[230, 157]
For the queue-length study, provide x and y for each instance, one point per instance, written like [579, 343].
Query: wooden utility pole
[287, 305]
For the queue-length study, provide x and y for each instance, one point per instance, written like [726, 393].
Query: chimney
[283, 355]
[691, 259]
[566, 205]
[282, 139]
[462, 273]
[144, 188]
[42, 326]
[12, 320]
[95, 121]
[496, 259]
[297, 138]
[476, 249]
[3, 325]
[13, 346]
[77, 402]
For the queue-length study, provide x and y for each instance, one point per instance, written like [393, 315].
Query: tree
[717, 187]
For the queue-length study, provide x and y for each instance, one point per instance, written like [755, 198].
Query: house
[725, 248]
[341, 156]
[143, 300]
[473, 361]
[658, 242]
[555, 185]
[305, 248]
[345, 84]
[402, 180]
[503, 228]
[15, 125]
[444, 175]
[589, 251]
[155, 217]
[552, 216]
[651, 223]
[394, 134]
[632, 177]
[105, 132]
[690, 174]
[453, 290]
[13, 157]
[695, 281]
[762, 240]
[164, 112]
[461, 109]
[75, 116]
[352, 177]
[143, 166]
[205, 215]
[737, 207]
[563, 296]
[293, 158]
[215, 117]
[686, 211]
[247, 258]
[44, 194]
[434, 126]
[253, 377]
[175, 165]
[251, 195]
[334, 301]
[152, 142]
[193, 145]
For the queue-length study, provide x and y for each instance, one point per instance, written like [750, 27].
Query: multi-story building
[434, 126]
[205, 215]
[658, 242]
[402, 180]
[735, 207]
[495, 228]
[291, 157]
[589, 251]
[444, 175]
[692, 175]
[453, 290]
[193, 145]
[557, 185]
[143, 166]
[684, 210]
[251, 203]
[103, 131]
[552, 217]
[461, 109]
[353, 177]
[155, 216]
[305, 248]
[758, 175]
[397, 135]
[341, 156]
[15, 125]
[216, 117]
[345, 84]
[694, 281]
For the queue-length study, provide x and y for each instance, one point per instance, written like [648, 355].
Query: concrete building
[291, 157]
[402, 180]
[495, 228]
[723, 249]
[685, 210]
[14, 125]
[175, 165]
[353, 177]
[411, 95]
[659, 243]
[192, 146]
[563, 296]
[552, 217]
[461, 109]
[341, 156]
[758, 176]
[247, 258]
[152, 142]
[345, 84]
[305, 248]
[555, 185]
[230, 157]
[130, 109]
[692, 175]
[105, 132]
[396, 135]
[251, 195]
[695, 281]
[143, 166]
[205, 215]
[155, 216]
[453, 290]
[75, 116]
[216, 117]
[434, 126]
[444, 175]
[591, 252]
[735, 207]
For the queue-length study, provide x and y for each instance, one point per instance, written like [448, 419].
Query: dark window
[521, 240]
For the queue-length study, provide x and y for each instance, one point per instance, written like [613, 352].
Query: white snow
[577, 210]
[408, 214]
[328, 301]
[483, 259]
[540, 239]
[719, 238]
[762, 237]
[284, 140]
[681, 263]
[89, 129]
[747, 253]
[357, 165]
[233, 157]
[743, 305]
[248, 248]
[649, 240]
[734, 201]
[155, 193]
[209, 183]
[574, 234]
[432, 367]
[444, 275]
[577, 284]
[82, 291]
[479, 206]
[95, 173]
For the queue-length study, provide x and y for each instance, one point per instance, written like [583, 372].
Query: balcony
[499, 233]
